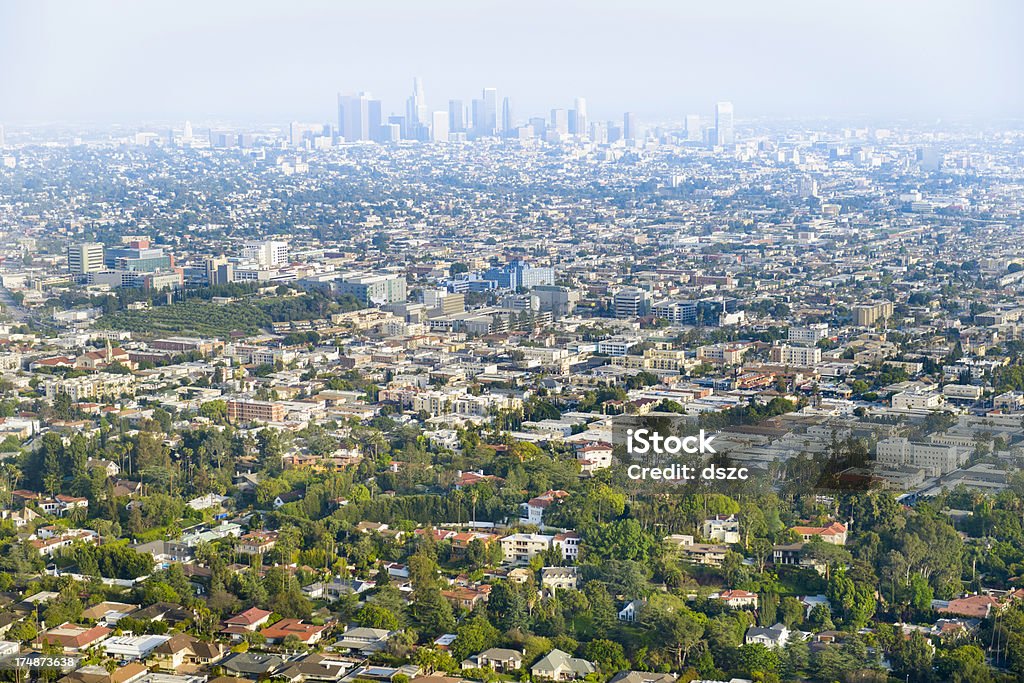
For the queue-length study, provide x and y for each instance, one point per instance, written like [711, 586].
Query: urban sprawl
[338, 401]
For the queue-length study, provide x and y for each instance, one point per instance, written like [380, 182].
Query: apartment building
[245, 410]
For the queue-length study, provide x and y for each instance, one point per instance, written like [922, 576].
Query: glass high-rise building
[578, 117]
[629, 126]
[724, 132]
[693, 131]
[359, 117]
[485, 113]
[507, 122]
[456, 116]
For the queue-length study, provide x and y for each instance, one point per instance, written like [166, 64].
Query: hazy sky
[261, 61]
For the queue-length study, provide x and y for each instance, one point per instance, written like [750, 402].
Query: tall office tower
[439, 127]
[629, 126]
[614, 131]
[359, 117]
[539, 126]
[416, 107]
[456, 116]
[807, 186]
[485, 113]
[580, 118]
[476, 116]
[395, 120]
[599, 132]
[693, 128]
[392, 130]
[3, 137]
[416, 116]
[186, 133]
[629, 302]
[929, 159]
[560, 121]
[724, 133]
[507, 122]
[219, 271]
[86, 257]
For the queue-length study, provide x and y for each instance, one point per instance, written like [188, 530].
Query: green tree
[507, 606]
[474, 635]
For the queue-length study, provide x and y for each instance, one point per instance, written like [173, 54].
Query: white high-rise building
[724, 132]
[86, 257]
[808, 335]
[693, 130]
[560, 121]
[485, 113]
[581, 117]
[439, 127]
[186, 134]
[267, 253]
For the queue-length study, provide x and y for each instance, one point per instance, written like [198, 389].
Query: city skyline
[105, 62]
[477, 343]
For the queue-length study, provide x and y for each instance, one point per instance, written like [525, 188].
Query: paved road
[11, 307]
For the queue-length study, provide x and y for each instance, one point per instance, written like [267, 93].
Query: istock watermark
[671, 450]
[644, 441]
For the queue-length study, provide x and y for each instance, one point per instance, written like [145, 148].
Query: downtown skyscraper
[578, 118]
[724, 132]
[507, 121]
[485, 113]
[416, 115]
[456, 116]
[359, 117]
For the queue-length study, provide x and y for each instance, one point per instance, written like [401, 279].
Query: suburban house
[464, 597]
[364, 639]
[288, 497]
[72, 638]
[770, 637]
[108, 613]
[252, 665]
[257, 542]
[722, 529]
[307, 633]
[973, 606]
[569, 542]
[630, 611]
[499, 659]
[707, 554]
[594, 456]
[553, 578]
[737, 598]
[560, 666]
[533, 509]
[185, 651]
[249, 621]
[834, 533]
